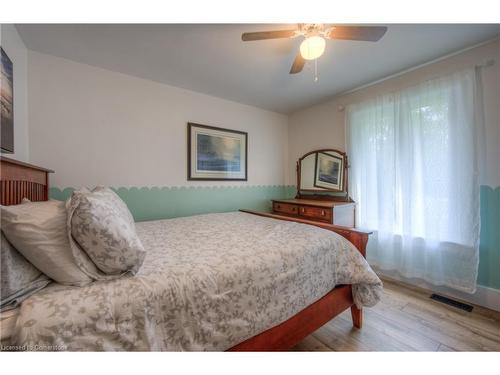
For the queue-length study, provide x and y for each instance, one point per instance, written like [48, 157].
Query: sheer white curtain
[414, 176]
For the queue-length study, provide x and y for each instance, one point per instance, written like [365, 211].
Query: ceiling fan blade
[298, 64]
[261, 35]
[367, 33]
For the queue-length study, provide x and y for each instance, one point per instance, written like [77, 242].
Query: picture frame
[329, 171]
[6, 103]
[217, 154]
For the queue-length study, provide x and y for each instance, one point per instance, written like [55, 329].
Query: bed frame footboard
[287, 334]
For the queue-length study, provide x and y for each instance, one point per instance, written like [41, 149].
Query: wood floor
[408, 320]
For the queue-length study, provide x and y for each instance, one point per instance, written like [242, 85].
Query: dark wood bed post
[357, 316]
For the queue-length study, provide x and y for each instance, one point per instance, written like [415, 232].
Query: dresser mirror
[323, 171]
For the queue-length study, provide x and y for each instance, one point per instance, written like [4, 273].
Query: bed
[229, 281]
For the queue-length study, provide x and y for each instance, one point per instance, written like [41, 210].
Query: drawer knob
[303, 210]
[323, 212]
[278, 206]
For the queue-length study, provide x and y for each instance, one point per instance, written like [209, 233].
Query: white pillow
[38, 231]
[104, 228]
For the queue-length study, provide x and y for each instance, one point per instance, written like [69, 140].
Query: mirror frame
[323, 196]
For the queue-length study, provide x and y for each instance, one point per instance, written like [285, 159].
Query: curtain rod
[484, 64]
[397, 74]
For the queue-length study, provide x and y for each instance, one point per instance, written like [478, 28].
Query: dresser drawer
[285, 208]
[319, 213]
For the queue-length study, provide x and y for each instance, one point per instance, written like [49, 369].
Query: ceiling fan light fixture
[312, 47]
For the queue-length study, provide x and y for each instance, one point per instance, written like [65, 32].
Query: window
[414, 177]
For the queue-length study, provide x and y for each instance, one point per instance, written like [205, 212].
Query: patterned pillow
[38, 231]
[19, 278]
[103, 227]
[117, 201]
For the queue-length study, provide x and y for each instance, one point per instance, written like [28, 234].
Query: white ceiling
[212, 59]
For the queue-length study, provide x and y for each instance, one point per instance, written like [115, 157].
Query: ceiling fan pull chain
[316, 79]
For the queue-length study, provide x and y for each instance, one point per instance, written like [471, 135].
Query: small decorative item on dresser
[332, 212]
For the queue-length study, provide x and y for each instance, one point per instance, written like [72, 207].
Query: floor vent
[452, 302]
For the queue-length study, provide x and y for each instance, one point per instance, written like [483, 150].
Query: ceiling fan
[314, 41]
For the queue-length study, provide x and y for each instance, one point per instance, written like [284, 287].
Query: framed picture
[329, 171]
[6, 104]
[217, 154]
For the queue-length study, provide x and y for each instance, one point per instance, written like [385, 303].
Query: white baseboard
[484, 296]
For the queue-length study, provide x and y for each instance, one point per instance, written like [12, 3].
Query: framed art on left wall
[6, 104]
[216, 154]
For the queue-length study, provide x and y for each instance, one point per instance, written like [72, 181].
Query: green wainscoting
[168, 202]
[489, 245]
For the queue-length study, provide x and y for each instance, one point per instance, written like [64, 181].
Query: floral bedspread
[208, 282]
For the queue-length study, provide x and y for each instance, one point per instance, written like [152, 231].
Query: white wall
[322, 126]
[17, 52]
[94, 126]
[137, 128]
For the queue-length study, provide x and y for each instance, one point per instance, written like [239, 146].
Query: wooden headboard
[20, 180]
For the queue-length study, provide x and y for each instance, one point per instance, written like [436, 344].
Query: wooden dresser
[332, 212]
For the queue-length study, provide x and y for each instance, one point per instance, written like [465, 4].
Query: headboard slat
[19, 180]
